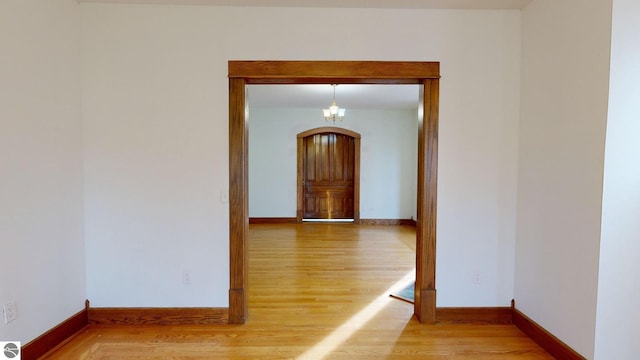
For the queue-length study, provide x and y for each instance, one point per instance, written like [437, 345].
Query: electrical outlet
[186, 278]
[10, 312]
[476, 278]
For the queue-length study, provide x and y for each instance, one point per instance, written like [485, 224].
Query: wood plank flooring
[316, 291]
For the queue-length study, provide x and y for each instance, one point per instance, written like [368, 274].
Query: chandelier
[333, 113]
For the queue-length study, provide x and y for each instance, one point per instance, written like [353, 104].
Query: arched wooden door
[328, 174]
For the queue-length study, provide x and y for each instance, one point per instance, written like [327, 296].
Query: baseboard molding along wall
[290, 220]
[542, 337]
[158, 316]
[66, 330]
[56, 336]
[272, 220]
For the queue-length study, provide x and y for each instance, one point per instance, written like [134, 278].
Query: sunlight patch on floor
[357, 321]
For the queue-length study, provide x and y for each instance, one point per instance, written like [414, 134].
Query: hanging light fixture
[333, 113]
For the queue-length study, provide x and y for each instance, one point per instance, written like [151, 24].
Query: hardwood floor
[316, 291]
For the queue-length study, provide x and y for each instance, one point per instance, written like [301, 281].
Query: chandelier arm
[333, 113]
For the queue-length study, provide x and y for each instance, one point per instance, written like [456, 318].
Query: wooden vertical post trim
[300, 178]
[238, 201]
[421, 197]
[425, 292]
[431, 183]
[356, 181]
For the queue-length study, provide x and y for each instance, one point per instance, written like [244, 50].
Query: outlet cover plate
[9, 311]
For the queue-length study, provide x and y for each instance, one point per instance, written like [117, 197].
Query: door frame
[356, 168]
[242, 73]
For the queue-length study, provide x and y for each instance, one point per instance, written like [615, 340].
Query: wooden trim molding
[425, 298]
[56, 336]
[238, 200]
[544, 338]
[510, 315]
[344, 72]
[426, 74]
[272, 220]
[387, 222]
[60, 334]
[328, 129]
[474, 315]
[158, 316]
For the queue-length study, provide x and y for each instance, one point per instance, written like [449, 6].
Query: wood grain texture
[356, 180]
[299, 178]
[333, 72]
[328, 129]
[544, 338]
[158, 316]
[56, 336]
[238, 200]
[272, 220]
[328, 176]
[317, 291]
[387, 222]
[343, 72]
[425, 302]
[302, 152]
[474, 315]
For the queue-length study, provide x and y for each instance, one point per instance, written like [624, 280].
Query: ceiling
[393, 4]
[347, 96]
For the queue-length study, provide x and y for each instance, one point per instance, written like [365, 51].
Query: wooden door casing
[328, 168]
[426, 74]
[326, 191]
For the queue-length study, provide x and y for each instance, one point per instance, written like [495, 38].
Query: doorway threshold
[329, 220]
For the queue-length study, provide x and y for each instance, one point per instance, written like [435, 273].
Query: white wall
[156, 133]
[41, 227]
[618, 324]
[389, 148]
[562, 129]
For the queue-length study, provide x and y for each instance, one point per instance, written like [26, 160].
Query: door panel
[328, 181]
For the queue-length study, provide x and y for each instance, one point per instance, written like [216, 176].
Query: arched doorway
[427, 74]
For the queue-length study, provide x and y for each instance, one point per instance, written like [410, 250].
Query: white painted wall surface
[41, 227]
[389, 148]
[156, 135]
[618, 321]
[564, 110]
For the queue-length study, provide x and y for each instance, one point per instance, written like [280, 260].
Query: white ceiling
[347, 96]
[394, 4]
